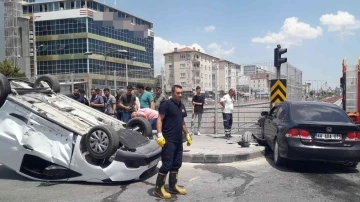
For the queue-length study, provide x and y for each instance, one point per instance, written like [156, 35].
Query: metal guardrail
[245, 118]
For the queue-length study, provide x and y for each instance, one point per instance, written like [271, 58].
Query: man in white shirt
[227, 103]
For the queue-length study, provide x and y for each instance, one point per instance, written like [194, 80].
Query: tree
[9, 70]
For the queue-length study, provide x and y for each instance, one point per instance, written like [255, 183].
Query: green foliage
[9, 70]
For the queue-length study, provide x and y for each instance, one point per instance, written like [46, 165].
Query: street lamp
[106, 55]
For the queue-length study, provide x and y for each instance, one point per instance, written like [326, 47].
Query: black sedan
[311, 131]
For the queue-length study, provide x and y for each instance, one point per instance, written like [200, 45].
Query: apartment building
[227, 75]
[243, 84]
[260, 82]
[189, 67]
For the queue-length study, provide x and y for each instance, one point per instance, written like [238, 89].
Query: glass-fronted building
[2, 32]
[65, 30]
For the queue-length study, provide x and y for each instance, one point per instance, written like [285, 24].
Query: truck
[349, 83]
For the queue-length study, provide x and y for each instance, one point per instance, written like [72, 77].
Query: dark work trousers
[171, 157]
[228, 120]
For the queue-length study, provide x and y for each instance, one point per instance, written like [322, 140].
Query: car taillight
[298, 133]
[353, 136]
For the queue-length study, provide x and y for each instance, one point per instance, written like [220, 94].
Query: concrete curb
[224, 158]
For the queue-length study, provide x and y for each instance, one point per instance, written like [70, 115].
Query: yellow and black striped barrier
[278, 90]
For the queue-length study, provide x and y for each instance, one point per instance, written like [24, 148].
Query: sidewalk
[212, 149]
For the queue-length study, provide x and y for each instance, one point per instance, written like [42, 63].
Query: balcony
[196, 78]
[196, 61]
[196, 69]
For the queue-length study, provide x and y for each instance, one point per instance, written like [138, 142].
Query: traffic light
[277, 56]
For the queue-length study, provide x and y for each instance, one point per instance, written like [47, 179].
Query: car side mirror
[264, 113]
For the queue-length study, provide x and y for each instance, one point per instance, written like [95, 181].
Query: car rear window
[321, 113]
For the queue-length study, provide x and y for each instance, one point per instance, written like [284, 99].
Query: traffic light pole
[278, 85]
[278, 51]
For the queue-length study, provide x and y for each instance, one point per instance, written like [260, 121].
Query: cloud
[162, 46]
[292, 32]
[342, 22]
[210, 28]
[220, 50]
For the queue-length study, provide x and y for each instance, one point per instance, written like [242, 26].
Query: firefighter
[170, 128]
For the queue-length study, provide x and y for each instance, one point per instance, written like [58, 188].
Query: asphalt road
[256, 180]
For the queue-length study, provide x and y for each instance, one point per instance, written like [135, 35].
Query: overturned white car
[48, 136]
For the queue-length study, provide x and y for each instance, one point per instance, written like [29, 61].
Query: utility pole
[126, 71]
[162, 80]
[216, 97]
[115, 80]
[72, 82]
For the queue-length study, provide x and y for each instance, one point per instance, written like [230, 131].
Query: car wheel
[102, 141]
[5, 89]
[50, 80]
[278, 160]
[141, 125]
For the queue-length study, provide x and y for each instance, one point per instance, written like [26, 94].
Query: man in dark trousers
[198, 102]
[170, 128]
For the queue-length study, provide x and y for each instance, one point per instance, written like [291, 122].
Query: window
[78, 4]
[170, 57]
[182, 56]
[51, 6]
[36, 8]
[273, 111]
[183, 84]
[182, 75]
[281, 114]
[317, 112]
[182, 66]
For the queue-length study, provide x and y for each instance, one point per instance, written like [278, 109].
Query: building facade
[189, 68]
[227, 75]
[2, 32]
[66, 39]
[260, 82]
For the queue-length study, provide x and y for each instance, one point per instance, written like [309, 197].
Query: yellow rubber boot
[173, 187]
[159, 188]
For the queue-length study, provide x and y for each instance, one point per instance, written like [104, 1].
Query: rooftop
[99, 2]
[189, 50]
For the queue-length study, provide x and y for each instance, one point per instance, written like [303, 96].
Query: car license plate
[154, 162]
[328, 136]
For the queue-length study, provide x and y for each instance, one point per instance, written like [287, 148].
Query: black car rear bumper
[295, 150]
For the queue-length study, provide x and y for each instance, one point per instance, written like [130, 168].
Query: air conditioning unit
[31, 41]
[31, 32]
[31, 54]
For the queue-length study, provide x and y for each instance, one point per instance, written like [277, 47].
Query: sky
[318, 34]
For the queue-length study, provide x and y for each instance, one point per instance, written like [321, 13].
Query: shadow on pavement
[310, 167]
[8, 174]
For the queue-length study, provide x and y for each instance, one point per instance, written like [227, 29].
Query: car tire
[102, 134]
[278, 160]
[144, 126]
[50, 80]
[5, 89]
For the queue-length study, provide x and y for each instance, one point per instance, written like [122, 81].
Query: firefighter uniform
[171, 141]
